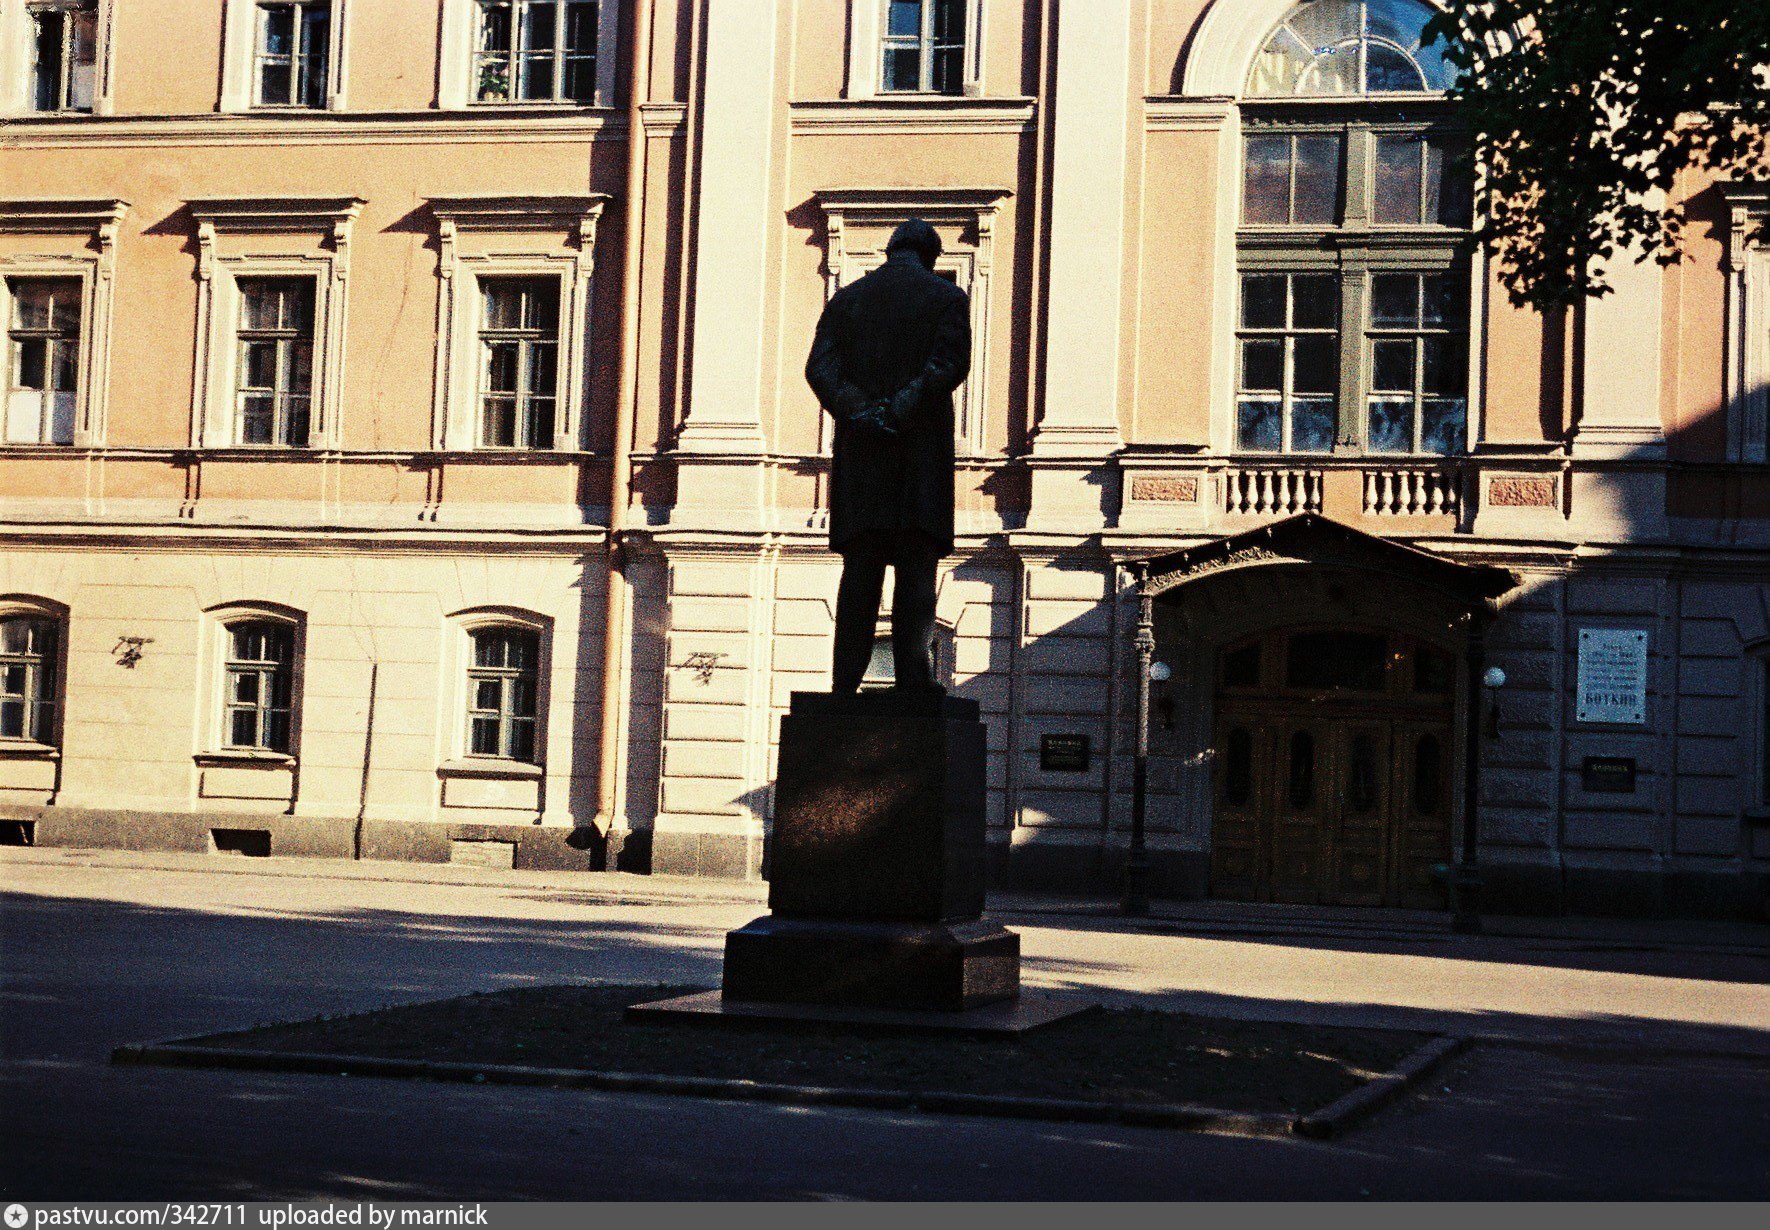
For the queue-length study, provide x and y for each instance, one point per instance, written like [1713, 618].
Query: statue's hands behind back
[877, 416]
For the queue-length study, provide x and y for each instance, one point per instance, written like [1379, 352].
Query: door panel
[1302, 801]
[1422, 813]
[1361, 835]
[1239, 772]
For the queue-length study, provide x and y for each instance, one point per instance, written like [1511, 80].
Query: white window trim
[1233, 32]
[866, 51]
[1748, 324]
[229, 247]
[211, 733]
[29, 606]
[239, 48]
[961, 210]
[100, 220]
[15, 60]
[502, 240]
[454, 74]
[458, 660]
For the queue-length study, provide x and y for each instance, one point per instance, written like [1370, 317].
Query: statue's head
[916, 236]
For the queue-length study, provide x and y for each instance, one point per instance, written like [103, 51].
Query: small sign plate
[1063, 753]
[1612, 676]
[1608, 775]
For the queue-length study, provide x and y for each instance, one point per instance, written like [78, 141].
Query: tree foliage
[1587, 112]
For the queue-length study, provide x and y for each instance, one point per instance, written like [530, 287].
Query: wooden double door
[1329, 797]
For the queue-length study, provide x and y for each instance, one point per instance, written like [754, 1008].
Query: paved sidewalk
[1642, 1071]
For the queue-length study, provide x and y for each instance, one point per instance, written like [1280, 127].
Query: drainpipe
[620, 486]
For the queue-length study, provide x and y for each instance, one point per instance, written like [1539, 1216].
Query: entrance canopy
[1311, 540]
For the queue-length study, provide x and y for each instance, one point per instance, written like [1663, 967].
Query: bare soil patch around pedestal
[1135, 1065]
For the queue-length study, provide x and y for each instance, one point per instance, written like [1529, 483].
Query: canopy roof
[1312, 540]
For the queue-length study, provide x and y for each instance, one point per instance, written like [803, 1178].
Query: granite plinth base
[879, 809]
[917, 967]
[1007, 1019]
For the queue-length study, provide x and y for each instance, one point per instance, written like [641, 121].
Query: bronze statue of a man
[890, 349]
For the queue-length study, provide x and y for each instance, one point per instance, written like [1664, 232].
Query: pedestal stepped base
[876, 862]
[940, 967]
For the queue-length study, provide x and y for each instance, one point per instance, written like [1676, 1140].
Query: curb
[1322, 1124]
[1334, 1118]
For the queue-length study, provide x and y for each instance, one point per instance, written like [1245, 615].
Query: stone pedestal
[876, 862]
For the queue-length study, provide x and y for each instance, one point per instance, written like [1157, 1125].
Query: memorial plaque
[1612, 676]
[1608, 775]
[1063, 753]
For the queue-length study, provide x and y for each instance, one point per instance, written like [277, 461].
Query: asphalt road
[1662, 1088]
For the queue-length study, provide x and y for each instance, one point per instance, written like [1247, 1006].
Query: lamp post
[1465, 878]
[1136, 903]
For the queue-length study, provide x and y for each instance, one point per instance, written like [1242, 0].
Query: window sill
[486, 766]
[28, 749]
[246, 757]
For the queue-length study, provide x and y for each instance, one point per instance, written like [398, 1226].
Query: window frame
[11, 358]
[1356, 249]
[459, 45]
[235, 240]
[265, 671]
[520, 237]
[34, 10]
[1748, 322]
[285, 384]
[507, 718]
[865, 78]
[213, 724]
[525, 436]
[54, 659]
[457, 710]
[924, 45]
[71, 239]
[240, 59]
[262, 59]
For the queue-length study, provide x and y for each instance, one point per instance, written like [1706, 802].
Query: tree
[1587, 112]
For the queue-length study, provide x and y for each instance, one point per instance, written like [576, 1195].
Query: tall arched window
[1355, 239]
[259, 698]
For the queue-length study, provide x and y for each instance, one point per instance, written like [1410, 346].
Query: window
[1355, 243]
[536, 51]
[42, 360]
[64, 55]
[923, 47]
[292, 53]
[1290, 345]
[1419, 363]
[275, 360]
[260, 684]
[519, 361]
[1348, 48]
[28, 659]
[502, 686]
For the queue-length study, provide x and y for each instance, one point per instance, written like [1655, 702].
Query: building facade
[407, 452]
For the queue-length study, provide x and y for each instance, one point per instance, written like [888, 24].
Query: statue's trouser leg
[857, 611]
[912, 611]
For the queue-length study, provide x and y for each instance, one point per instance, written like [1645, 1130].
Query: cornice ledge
[1184, 113]
[921, 113]
[275, 213]
[893, 200]
[505, 213]
[60, 214]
